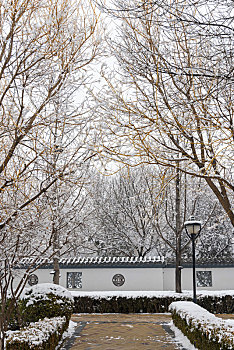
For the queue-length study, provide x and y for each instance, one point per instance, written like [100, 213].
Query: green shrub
[145, 304]
[41, 335]
[45, 300]
[12, 310]
[121, 304]
[203, 329]
[38, 302]
[217, 304]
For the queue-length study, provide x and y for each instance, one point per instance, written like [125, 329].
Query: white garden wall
[137, 278]
[222, 278]
[100, 279]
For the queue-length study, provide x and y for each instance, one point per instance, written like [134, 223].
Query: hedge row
[122, 305]
[52, 306]
[115, 304]
[217, 304]
[203, 329]
[34, 306]
[41, 335]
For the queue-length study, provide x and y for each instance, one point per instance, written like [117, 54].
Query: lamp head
[193, 227]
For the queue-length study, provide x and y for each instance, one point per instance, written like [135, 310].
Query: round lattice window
[32, 280]
[118, 280]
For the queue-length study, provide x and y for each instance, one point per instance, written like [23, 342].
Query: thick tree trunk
[1, 343]
[56, 274]
[223, 197]
[178, 287]
[2, 329]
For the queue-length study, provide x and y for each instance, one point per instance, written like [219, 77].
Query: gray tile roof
[93, 262]
[113, 262]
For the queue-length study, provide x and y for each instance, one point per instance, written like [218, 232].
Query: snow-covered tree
[134, 213]
[46, 48]
[170, 98]
[122, 218]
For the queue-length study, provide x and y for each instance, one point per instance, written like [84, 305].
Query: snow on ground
[181, 339]
[67, 334]
[150, 294]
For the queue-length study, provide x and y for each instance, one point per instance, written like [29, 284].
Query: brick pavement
[122, 332]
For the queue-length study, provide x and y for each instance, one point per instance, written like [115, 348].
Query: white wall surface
[222, 278]
[43, 275]
[138, 279]
[168, 279]
[100, 279]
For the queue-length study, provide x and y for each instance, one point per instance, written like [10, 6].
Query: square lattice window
[204, 279]
[74, 280]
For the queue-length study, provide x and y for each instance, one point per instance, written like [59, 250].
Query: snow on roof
[88, 261]
[96, 262]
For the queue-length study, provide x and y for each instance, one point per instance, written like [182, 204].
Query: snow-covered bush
[203, 329]
[45, 300]
[149, 301]
[124, 302]
[12, 310]
[42, 335]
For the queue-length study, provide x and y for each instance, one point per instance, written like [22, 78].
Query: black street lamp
[193, 230]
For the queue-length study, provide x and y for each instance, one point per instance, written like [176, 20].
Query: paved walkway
[226, 316]
[122, 332]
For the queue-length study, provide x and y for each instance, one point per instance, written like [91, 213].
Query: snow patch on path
[67, 334]
[180, 338]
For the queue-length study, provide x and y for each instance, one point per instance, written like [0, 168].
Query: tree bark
[56, 274]
[178, 287]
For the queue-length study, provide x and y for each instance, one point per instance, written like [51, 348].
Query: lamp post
[193, 230]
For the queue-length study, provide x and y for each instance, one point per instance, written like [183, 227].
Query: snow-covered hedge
[203, 329]
[123, 303]
[42, 335]
[40, 301]
[45, 300]
[148, 301]
[41, 291]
